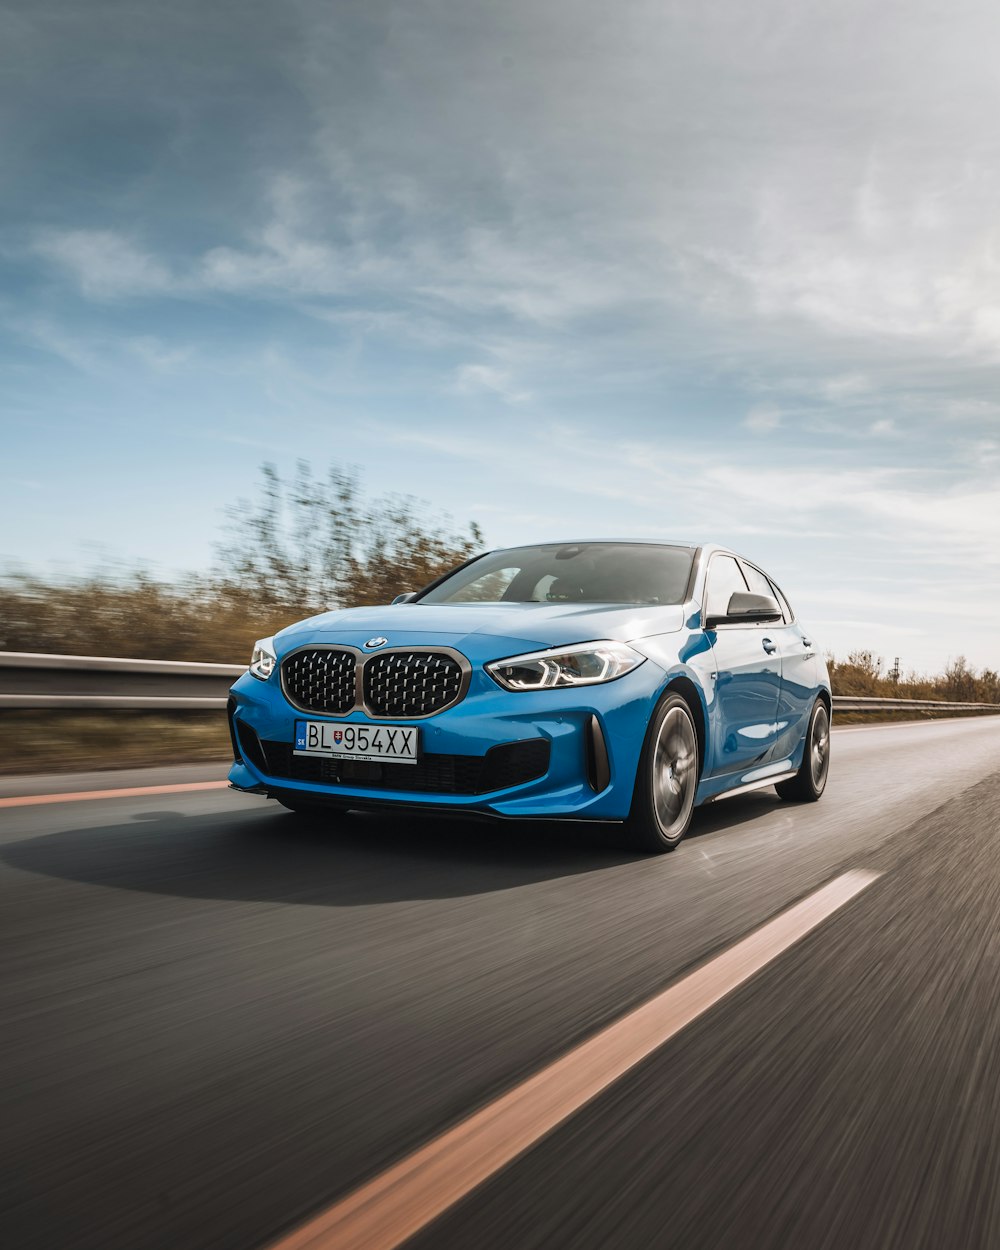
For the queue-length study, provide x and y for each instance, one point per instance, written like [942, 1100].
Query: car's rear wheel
[667, 780]
[809, 782]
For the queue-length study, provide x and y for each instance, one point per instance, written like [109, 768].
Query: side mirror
[407, 597]
[746, 608]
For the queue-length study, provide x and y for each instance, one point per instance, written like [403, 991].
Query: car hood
[485, 630]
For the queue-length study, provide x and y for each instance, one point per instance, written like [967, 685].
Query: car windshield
[571, 573]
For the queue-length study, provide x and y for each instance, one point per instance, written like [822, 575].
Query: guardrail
[851, 703]
[88, 682]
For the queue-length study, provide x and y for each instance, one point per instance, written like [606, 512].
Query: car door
[799, 668]
[800, 675]
[746, 677]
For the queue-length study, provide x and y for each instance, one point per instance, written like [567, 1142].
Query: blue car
[621, 682]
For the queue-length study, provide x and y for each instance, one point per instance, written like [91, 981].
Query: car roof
[702, 550]
[581, 542]
[705, 549]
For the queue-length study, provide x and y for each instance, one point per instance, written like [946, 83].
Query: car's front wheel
[665, 786]
[810, 781]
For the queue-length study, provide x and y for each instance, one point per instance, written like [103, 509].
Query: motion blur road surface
[215, 1021]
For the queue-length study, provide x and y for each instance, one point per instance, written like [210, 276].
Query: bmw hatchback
[618, 682]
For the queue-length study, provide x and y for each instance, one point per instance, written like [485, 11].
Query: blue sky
[719, 272]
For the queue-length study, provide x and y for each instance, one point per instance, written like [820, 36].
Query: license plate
[398, 743]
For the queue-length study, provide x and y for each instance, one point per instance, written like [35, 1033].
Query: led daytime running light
[263, 661]
[589, 664]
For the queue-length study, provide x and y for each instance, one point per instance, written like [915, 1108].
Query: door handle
[769, 646]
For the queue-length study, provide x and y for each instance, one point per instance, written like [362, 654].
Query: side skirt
[761, 784]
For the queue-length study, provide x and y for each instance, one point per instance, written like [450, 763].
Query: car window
[490, 587]
[782, 603]
[757, 582]
[724, 580]
[571, 573]
[542, 588]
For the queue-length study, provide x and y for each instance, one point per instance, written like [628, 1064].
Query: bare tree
[309, 543]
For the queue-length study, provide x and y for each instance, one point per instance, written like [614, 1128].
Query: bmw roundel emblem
[372, 643]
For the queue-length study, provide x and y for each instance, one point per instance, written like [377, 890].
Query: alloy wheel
[819, 747]
[675, 772]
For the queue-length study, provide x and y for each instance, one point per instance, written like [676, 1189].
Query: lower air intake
[510, 764]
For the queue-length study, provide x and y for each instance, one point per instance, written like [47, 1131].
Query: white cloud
[67, 345]
[159, 356]
[763, 418]
[106, 264]
[473, 379]
[279, 260]
[973, 409]
[845, 386]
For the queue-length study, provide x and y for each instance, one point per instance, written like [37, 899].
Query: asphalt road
[215, 1021]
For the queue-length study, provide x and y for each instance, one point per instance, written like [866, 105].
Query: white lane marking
[395, 1205]
[78, 796]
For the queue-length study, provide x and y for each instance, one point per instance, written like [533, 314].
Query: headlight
[263, 660]
[584, 665]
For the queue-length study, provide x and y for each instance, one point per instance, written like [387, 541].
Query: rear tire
[665, 785]
[809, 782]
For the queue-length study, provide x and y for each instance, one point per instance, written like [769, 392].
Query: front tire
[809, 782]
[663, 800]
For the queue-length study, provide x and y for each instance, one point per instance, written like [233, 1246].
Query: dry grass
[52, 742]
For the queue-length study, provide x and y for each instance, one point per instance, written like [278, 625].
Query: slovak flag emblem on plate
[338, 735]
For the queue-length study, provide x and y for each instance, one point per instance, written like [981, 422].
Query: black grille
[510, 764]
[321, 680]
[411, 683]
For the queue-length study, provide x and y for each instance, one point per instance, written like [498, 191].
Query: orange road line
[33, 800]
[405, 1198]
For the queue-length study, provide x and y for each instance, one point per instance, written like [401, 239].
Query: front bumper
[578, 782]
